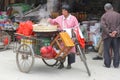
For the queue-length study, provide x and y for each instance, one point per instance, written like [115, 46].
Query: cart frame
[27, 52]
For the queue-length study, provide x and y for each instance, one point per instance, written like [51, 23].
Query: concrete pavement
[9, 70]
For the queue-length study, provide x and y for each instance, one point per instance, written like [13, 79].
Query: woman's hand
[49, 19]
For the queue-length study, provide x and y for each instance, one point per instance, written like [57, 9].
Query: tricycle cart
[26, 53]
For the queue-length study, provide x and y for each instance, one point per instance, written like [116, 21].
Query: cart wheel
[50, 62]
[5, 40]
[24, 58]
[83, 58]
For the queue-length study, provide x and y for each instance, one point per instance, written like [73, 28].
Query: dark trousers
[119, 46]
[71, 58]
[114, 44]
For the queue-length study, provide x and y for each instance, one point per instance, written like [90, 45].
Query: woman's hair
[66, 7]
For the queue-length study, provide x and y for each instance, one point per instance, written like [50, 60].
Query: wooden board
[66, 39]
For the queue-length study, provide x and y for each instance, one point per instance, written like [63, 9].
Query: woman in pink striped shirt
[66, 21]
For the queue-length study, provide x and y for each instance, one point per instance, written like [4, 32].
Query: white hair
[108, 6]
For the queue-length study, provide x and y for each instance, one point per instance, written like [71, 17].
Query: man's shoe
[116, 66]
[97, 58]
[107, 66]
[69, 66]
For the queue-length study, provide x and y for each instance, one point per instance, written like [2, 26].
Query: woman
[66, 21]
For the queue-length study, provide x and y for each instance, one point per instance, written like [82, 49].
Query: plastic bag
[21, 28]
[28, 28]
[80, 37]
[25, 28]
[6, 41]
[48, 52]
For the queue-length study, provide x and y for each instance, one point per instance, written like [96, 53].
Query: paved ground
[9, 70]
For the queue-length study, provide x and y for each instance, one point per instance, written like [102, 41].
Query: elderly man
[110, 22]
